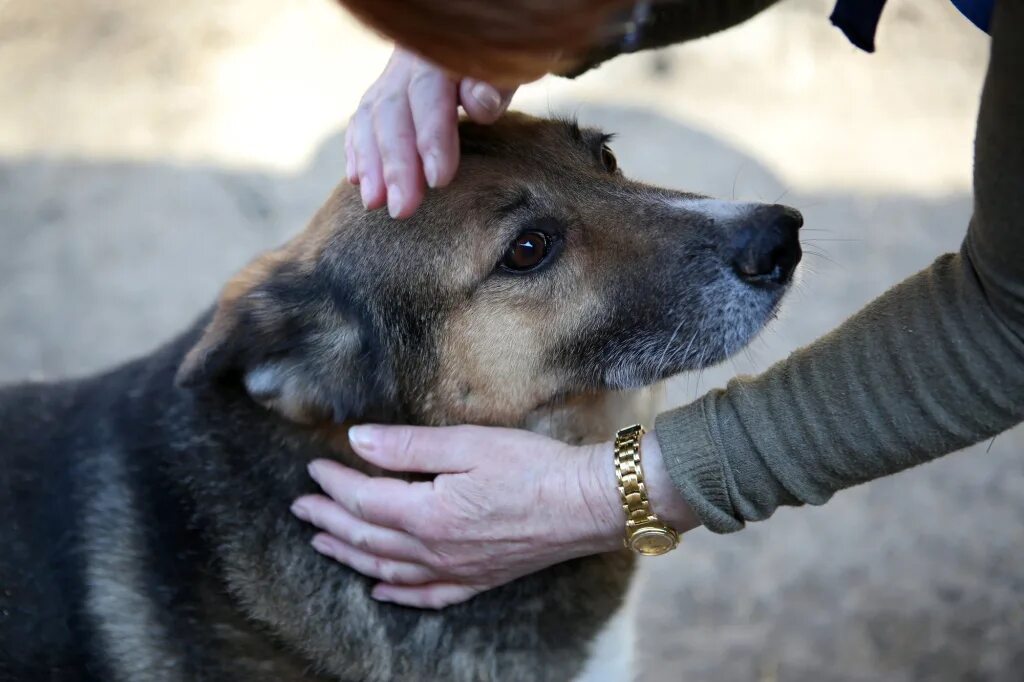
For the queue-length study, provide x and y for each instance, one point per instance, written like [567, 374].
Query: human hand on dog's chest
[505, 504]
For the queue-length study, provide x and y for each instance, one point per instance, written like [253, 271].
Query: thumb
[422, 449]
[483, 102]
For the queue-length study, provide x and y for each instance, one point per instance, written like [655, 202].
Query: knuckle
[359, 503]
[396, 152]
[316, 517]
[360, 540]
[437, 600]
[386, 570]
[426, 141]
[434, 143]
[405, 443]
[469, 434]
[389, 100]
[400, 146]
[426, 527]
[417, 527]
[394, 173]
[365, 108]
[437, 523]
[432, 600]
[425, 79]
[442, 561]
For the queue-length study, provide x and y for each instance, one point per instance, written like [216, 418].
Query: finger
[422, 449]
[385, 502]
[432, 596]
[396, 140]
[392, 572]
[351, 167]
[483, 102]
[371, 177]
[434, 103]
[331, 517]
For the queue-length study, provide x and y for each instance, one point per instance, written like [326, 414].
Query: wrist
[666, 500]
[600, 497]
[602, 503]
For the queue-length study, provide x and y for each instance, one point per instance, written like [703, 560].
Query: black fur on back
[146, 535]
[212, 476]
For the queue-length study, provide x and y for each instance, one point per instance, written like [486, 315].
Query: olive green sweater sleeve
[932, 366]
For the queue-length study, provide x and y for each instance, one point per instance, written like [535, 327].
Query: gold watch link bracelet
[645, 533]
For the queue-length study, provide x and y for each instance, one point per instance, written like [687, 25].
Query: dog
[146, 533]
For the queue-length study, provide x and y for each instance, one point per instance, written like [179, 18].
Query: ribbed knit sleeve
[931, 366]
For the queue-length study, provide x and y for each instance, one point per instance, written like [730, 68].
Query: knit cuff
[697, 466]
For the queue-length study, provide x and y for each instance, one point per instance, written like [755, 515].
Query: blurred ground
[147, 150]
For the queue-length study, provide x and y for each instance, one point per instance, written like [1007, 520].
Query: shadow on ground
[914, 577]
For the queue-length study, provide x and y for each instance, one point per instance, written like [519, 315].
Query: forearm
[923, 371]
[932, 366]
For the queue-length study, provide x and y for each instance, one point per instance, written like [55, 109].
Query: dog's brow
[588, 138]
[595, 139]
[572, 126]
[516, 201]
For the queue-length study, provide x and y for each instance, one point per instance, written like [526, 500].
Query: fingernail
[314, 471]
[487, 96]
[350, 168]
[394, 200]
[300, 511]
[322, 544]
[430, 168]
[361, 437]
[377, 596]
[364, 191]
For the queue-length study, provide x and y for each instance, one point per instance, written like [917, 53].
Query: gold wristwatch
[645, 532]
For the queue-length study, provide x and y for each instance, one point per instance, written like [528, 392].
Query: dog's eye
[608, 159]
[526, 252]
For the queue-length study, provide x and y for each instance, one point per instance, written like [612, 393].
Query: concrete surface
[147, 150]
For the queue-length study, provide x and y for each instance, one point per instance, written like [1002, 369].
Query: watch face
[652, 541]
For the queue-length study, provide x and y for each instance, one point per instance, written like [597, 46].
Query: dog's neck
[578, 419]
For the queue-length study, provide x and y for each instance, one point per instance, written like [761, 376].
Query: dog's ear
[298, 347]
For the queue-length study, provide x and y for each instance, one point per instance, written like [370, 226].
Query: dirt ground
[148, 150]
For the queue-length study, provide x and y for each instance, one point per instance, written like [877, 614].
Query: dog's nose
[766, 250]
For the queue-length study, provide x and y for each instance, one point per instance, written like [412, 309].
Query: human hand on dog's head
[405, 131]
[504, 504]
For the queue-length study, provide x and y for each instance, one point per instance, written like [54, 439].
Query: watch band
[645, 532]
[631, 476]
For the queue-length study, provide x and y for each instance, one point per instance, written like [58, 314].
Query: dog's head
[541, 272]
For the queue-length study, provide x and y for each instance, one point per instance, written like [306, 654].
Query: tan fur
[361, 318]
[181, 554]
[117, 596]
[303, 250]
